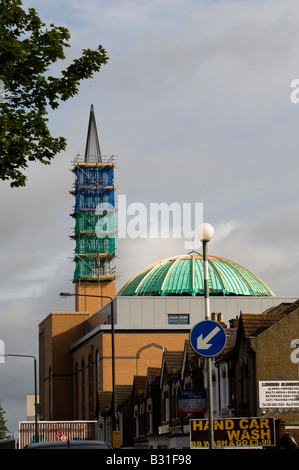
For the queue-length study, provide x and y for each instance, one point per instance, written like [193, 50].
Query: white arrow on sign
[202, 343]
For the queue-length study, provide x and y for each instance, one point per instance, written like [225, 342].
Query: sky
[195, 102]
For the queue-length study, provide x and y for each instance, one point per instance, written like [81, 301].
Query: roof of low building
[173, 361]
[255, 324]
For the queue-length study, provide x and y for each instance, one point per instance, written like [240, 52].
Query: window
[50, 394]
[149, 409]
[178, 319]
[97, 371]
[83, 389]
[167, 402]
[76, 391]
[90, 387]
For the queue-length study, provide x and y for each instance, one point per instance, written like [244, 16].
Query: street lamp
[205, 233]
[35, 388]
[69, 294]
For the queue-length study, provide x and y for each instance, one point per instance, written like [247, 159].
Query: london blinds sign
[279, 394]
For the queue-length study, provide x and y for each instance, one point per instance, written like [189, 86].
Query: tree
[3, 421]
[27, 50]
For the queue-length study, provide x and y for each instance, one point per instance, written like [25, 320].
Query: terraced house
[152, 402]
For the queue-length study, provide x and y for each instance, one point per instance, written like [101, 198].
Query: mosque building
[109, 338]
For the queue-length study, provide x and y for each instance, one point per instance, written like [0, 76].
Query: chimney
[233, 323]
[220, 317]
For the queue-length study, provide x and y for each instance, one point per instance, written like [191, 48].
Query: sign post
[208, 338]
[205, 233]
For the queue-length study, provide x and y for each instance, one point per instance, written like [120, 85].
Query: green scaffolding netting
[95, 223]
[91, 244]
[91, 267]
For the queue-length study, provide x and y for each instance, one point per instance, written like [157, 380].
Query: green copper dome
[184, 275]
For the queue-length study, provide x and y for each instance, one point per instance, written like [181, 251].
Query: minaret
[92, 148]
[94, 215]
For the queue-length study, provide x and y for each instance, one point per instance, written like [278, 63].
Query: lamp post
[205, 232]
[68, 294]
[35, 388]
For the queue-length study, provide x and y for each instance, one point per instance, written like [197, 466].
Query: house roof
[122, 394]
[153, 373]
[252, 324]
[139, 383]
[255, 324]
[173, 361]
[231, 335]
[105, 399]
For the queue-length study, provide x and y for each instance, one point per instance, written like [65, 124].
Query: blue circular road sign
[208, 338]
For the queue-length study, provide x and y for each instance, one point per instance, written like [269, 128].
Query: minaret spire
[94, 274]
[92, 149]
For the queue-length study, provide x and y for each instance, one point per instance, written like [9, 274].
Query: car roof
[72, 444]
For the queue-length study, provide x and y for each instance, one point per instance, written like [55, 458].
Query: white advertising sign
[279, 394]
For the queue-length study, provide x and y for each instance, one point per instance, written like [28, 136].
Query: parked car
[74, 444]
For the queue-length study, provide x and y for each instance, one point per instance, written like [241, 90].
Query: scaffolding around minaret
[94, 211]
